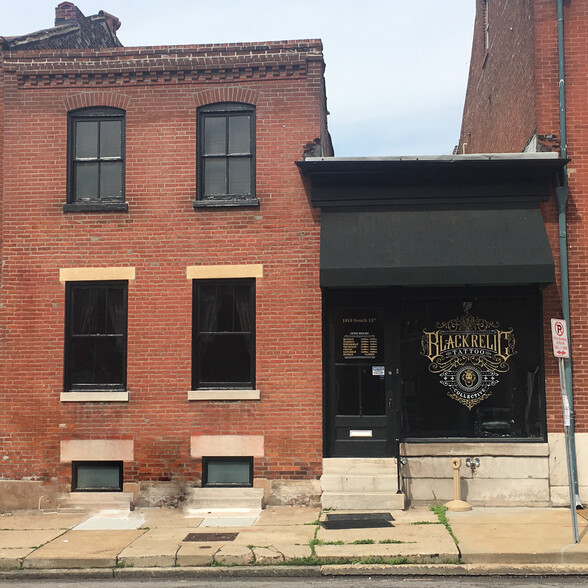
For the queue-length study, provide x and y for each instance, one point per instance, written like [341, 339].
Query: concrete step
[359, 465]
[95, 501]
[224, 498]
[363, 501]
[359, 483]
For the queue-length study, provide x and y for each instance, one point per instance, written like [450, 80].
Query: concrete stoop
[95, 501]
[224, 499]
[354, 483]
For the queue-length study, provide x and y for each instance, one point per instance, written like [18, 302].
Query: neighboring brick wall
[499, 110]
[160, 235]
[521, 75]
[576, 87]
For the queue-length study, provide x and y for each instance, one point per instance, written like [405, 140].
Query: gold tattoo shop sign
[468, 353]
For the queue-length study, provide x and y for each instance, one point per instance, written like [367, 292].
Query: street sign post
[561, 350]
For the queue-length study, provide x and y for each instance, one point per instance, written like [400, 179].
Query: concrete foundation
[29, 495]
[558, 471]
[509, 474]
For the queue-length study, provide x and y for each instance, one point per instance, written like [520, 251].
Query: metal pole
[561, 193]
[569, 448]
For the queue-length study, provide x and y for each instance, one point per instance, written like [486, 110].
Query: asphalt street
[338, 582]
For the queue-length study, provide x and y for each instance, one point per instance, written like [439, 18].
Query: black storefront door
[362, 376]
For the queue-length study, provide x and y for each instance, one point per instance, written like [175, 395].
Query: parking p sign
[559, 337]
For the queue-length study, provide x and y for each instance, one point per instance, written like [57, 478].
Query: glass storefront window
[472, 364]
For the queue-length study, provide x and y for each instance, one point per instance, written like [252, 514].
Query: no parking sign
[559, 337]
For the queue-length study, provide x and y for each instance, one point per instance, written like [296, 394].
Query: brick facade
[496, 93]
[160, 236]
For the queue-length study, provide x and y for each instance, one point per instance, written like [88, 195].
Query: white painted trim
[95, 274]
[97, 396]
[224, 395]
[207, 272]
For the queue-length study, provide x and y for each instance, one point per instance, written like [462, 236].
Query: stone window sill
[95, 396]
[96, 207]
[236, 203]
[224, 395]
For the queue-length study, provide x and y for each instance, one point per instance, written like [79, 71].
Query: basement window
[227, 472]
[97, 476]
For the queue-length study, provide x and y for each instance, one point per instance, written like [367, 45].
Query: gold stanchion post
[457, 504]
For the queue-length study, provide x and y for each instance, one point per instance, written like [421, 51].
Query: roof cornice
[153, 65]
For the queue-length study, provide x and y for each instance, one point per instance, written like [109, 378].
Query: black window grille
[96, 174]
[223, 353]
[97, 476]
[226, 155]
[96, 336]
[227, 471]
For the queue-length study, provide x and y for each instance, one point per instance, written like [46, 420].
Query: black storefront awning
[422, 247]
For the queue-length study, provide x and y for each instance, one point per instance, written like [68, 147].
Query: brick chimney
[66, 11]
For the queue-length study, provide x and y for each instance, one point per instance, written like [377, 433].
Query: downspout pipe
[561, 195]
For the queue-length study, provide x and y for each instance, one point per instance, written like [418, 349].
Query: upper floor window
[226, 155]
[96, 160]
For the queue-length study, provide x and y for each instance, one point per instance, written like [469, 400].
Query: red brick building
[186, 303]
[160, 301]
[519, 64]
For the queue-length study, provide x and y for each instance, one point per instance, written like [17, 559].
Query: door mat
[360, 520]
[206, 537]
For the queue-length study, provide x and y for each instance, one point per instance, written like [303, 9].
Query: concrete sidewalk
[289, 541]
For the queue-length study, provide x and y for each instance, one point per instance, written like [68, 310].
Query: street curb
[456, 570]
[303, 571]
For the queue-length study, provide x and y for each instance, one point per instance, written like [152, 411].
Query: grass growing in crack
[333, 543]
[387, 541]
[426, 523]
[363, 542]
[395, 561]
[300, 561]
[315, 541]
[313, 560]
[441, 512]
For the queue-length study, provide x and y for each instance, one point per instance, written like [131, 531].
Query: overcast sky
[396, 69]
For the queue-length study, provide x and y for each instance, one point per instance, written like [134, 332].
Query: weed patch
[441, 512]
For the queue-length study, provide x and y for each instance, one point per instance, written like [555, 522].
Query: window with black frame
[96, 336]
[97, 476]
[472, 364]
[226, 155]
[96, 160]
[227, 472]
[223, 354]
